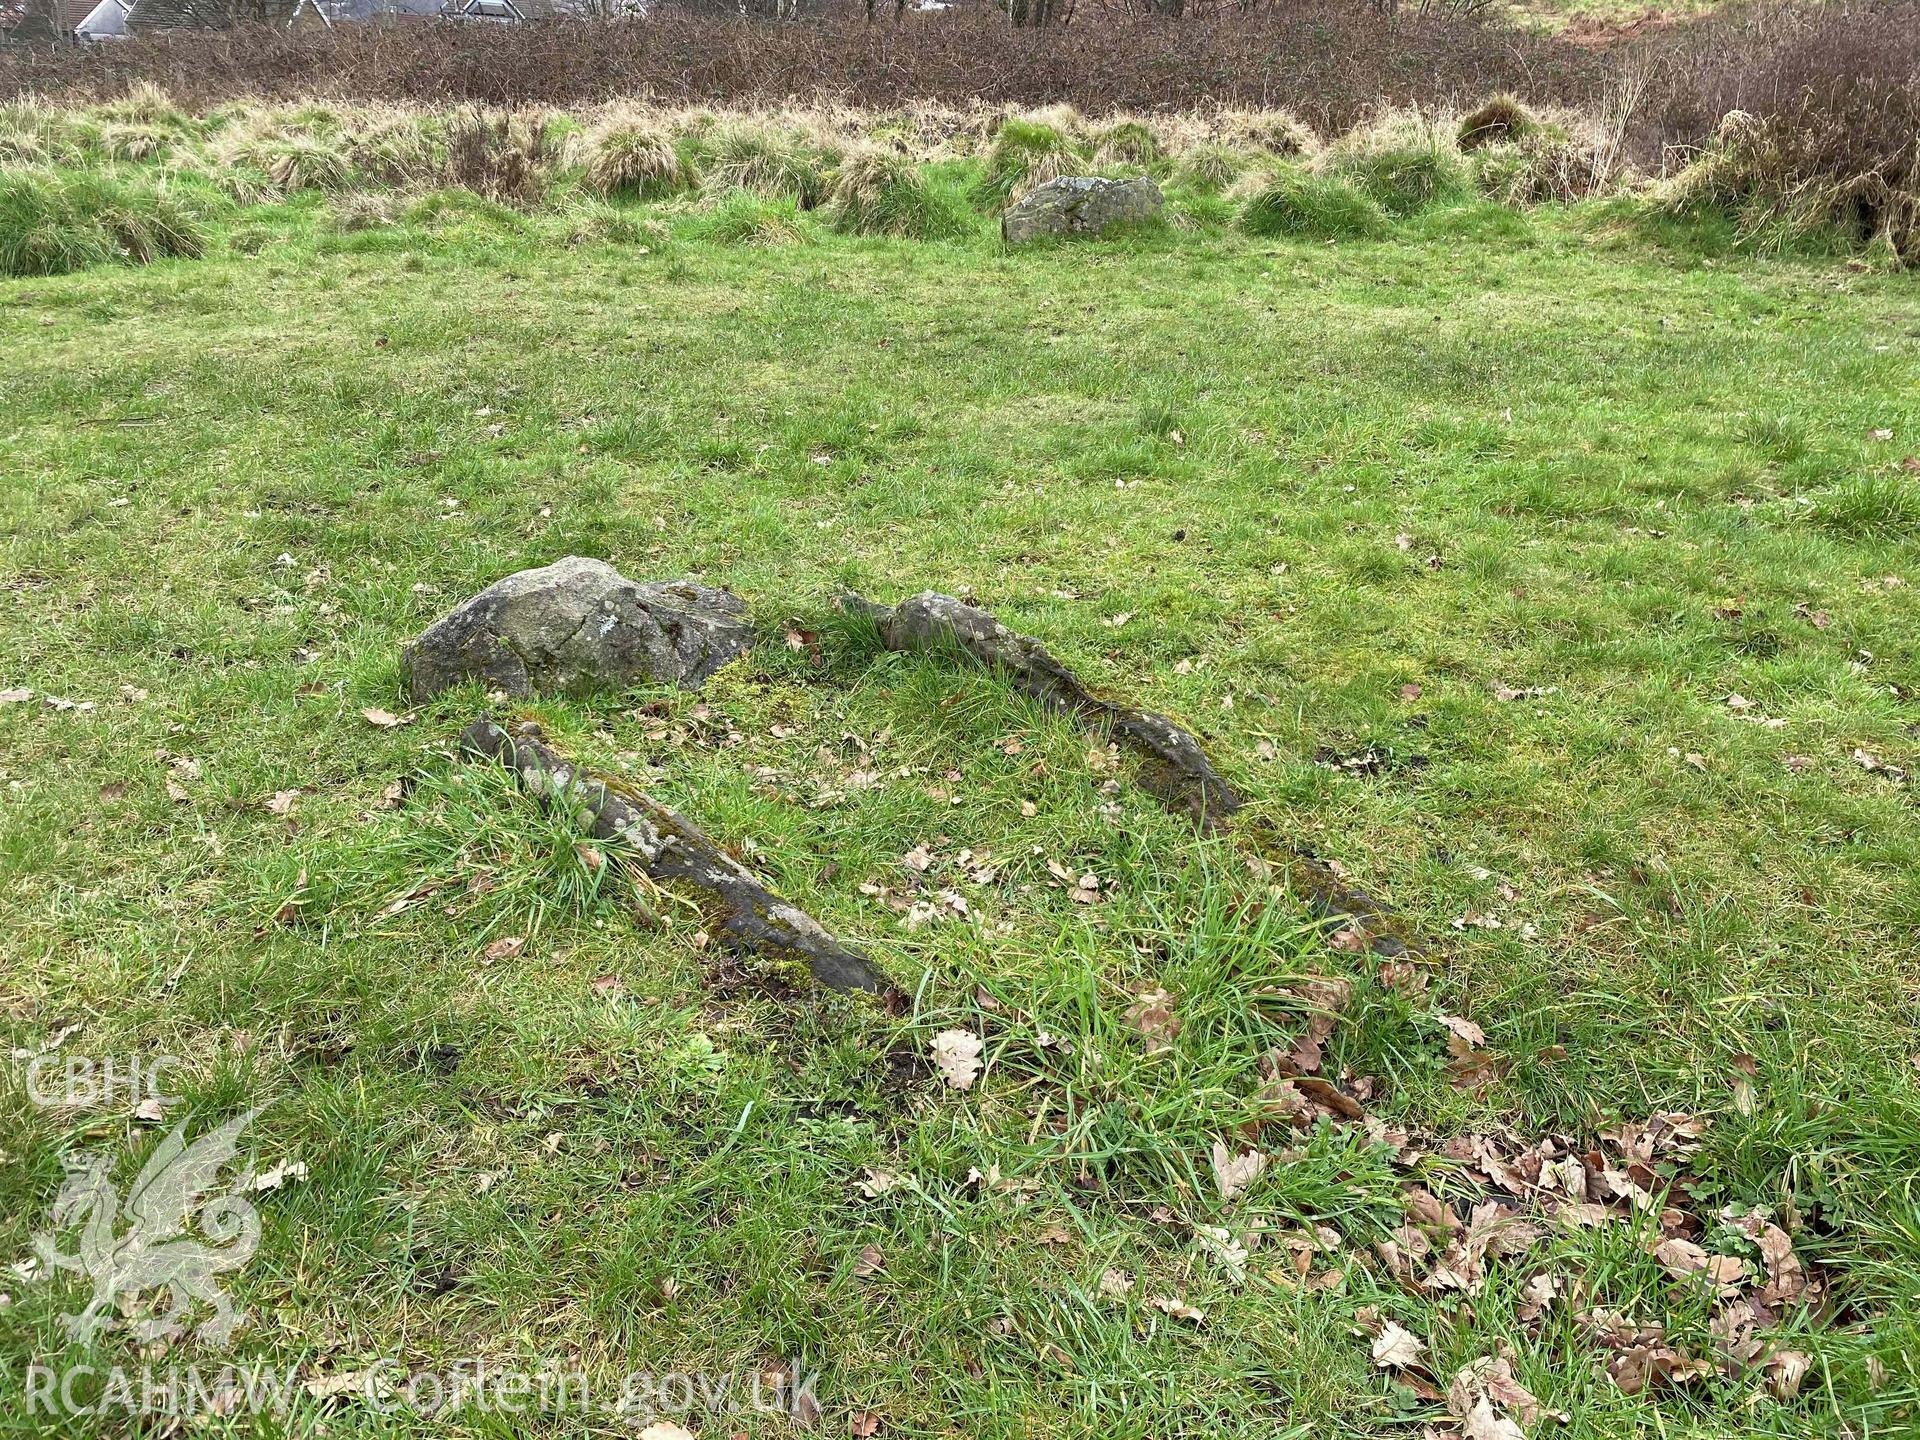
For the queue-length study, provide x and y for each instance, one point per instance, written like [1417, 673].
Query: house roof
[106, 17]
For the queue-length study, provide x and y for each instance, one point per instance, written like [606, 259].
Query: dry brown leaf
[1785, 1369]
[1465, 1030]
[1680, 1257]
[1395, 1347]
[279, 1175]
[1177, 1308]
[1786, 1277]
[1536, 1295]
[384, 719]
[371, 1383]
[871, 1261]
[863, 1423]
[282, 802]
[1585, 1216]
[1306, 1056]
[875, 1183]
[1470, 1068]
[1489, 1381]
[956, 1055]
[1732, 1329]
[1234, 1173]
[1483, 1422]
[505, 948]
[1325, 1093]
[1153, 1017]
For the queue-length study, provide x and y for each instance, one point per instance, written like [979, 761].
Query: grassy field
[1553, 575]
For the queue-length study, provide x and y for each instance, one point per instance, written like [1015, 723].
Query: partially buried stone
[579, 625]
[1079, 205]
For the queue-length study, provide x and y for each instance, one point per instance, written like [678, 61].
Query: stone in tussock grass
[1080, 205]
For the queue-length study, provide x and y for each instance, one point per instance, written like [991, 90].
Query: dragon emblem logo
[155, 1249]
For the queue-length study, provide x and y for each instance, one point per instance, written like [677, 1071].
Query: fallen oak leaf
[1683, 1259]
[1483, 1422]
[956, 1055]
[370, 1384]
[1153, 1017]
[1351, 939]
[875, 1183]
[1785, 1369]
[1177, 1308]
[1326, 1093]
[1221, 1244]
[279, 1175]
[1234, 1173]
[1396, 1348]
[1635, 1368]
[1466, 1030]
[1489, 1382]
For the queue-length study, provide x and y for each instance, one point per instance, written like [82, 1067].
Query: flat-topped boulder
[579, 625]
[1079, 205]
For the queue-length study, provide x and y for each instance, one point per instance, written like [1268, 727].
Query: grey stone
[1079, 205]
[578, 625]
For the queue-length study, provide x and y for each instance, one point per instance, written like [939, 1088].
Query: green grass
[53, 222]
[1359, 490]
[1294, 202]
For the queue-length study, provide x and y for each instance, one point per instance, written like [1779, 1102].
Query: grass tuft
[741, 217]
[1127, 142]
[362, 210]
[1871, 507]
[1403, 162]
[1499, 120]
[638, 160]
[52, 223]
[1290, 201]
[877, 192]
[1210, 168]
[146, 104]
[765, 162]
[136, 141]
[296, 163]
[1270, 132]
[1024, 154]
